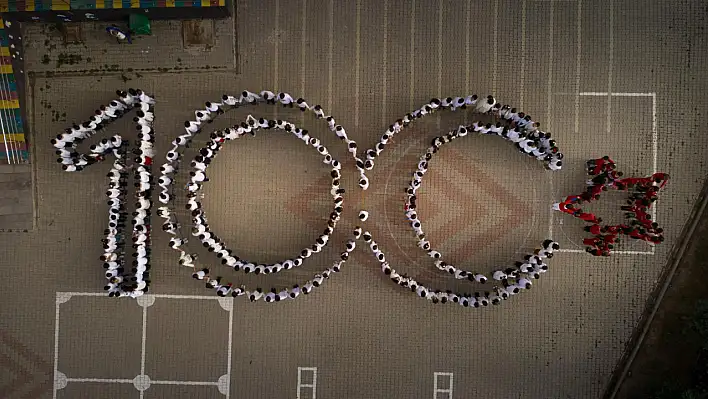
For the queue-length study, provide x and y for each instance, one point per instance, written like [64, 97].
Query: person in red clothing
[595, 166]
[615, 229]
[590, 217]
[572, 199]
[595, 191]
[594, 229]
[630, 181]
[610, 239]
[636, 233]
[566, 208]
[592, 242]
[597, 251]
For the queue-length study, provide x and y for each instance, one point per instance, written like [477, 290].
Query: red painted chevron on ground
[33, 375]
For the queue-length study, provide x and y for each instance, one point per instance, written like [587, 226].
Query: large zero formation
[510, 124]
[198, 176]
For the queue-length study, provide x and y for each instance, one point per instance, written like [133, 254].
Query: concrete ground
[368, 63]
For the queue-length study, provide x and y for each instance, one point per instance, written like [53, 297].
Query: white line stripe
[468, 19]
[604, 94]
[578, 60]
[616, 94]
[313, 385]
[277, 53]
[303, 55]
[522, 61]
[581, 251]
[56, 348]
[103, 380]
[143, 342]
[197, 383]
[357, 64]
[495, 54]
[440, 55]
[611, 50]
[164, 296]
[655, 154]
[230, 343]
[654, 135]
[384, 84]
[549, 101]
[330, 56]
[437, 390]
[412, 52]
[276, 46]
[549, 98]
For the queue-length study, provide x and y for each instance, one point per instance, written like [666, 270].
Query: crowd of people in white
[197, 177]
[134, 282]
[512, 125]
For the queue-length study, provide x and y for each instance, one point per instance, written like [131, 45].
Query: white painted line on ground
[495, 53]
[56, 348]
[610, 66]
[384, 84]
[330, 57]
[411, 94]
[230, 344]
[102, 380]
[276, 42]
[582, 251]
[441, 6]
[147, 300]
[312, 385]
[436, 385]
[196, 383]
[164, 296]
[578, 60]
[549, 98]
[549, 103]
[605, 94]
[276, 56]
[654, 135]
[468, 20]
[303, 55]
[357, 64]
[655, 153]
[522, 56]
[143, 342]
[614, 94]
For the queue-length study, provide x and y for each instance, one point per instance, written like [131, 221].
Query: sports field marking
[142, 382]
[445, 392]
[312, 385]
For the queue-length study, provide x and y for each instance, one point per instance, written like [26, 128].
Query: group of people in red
[643, 191]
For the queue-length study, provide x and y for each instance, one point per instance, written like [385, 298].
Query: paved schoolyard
[367, 62]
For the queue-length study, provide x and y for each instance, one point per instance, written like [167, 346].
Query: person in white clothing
[286, 99]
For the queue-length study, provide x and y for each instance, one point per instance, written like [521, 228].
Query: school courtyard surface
[625, 79]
